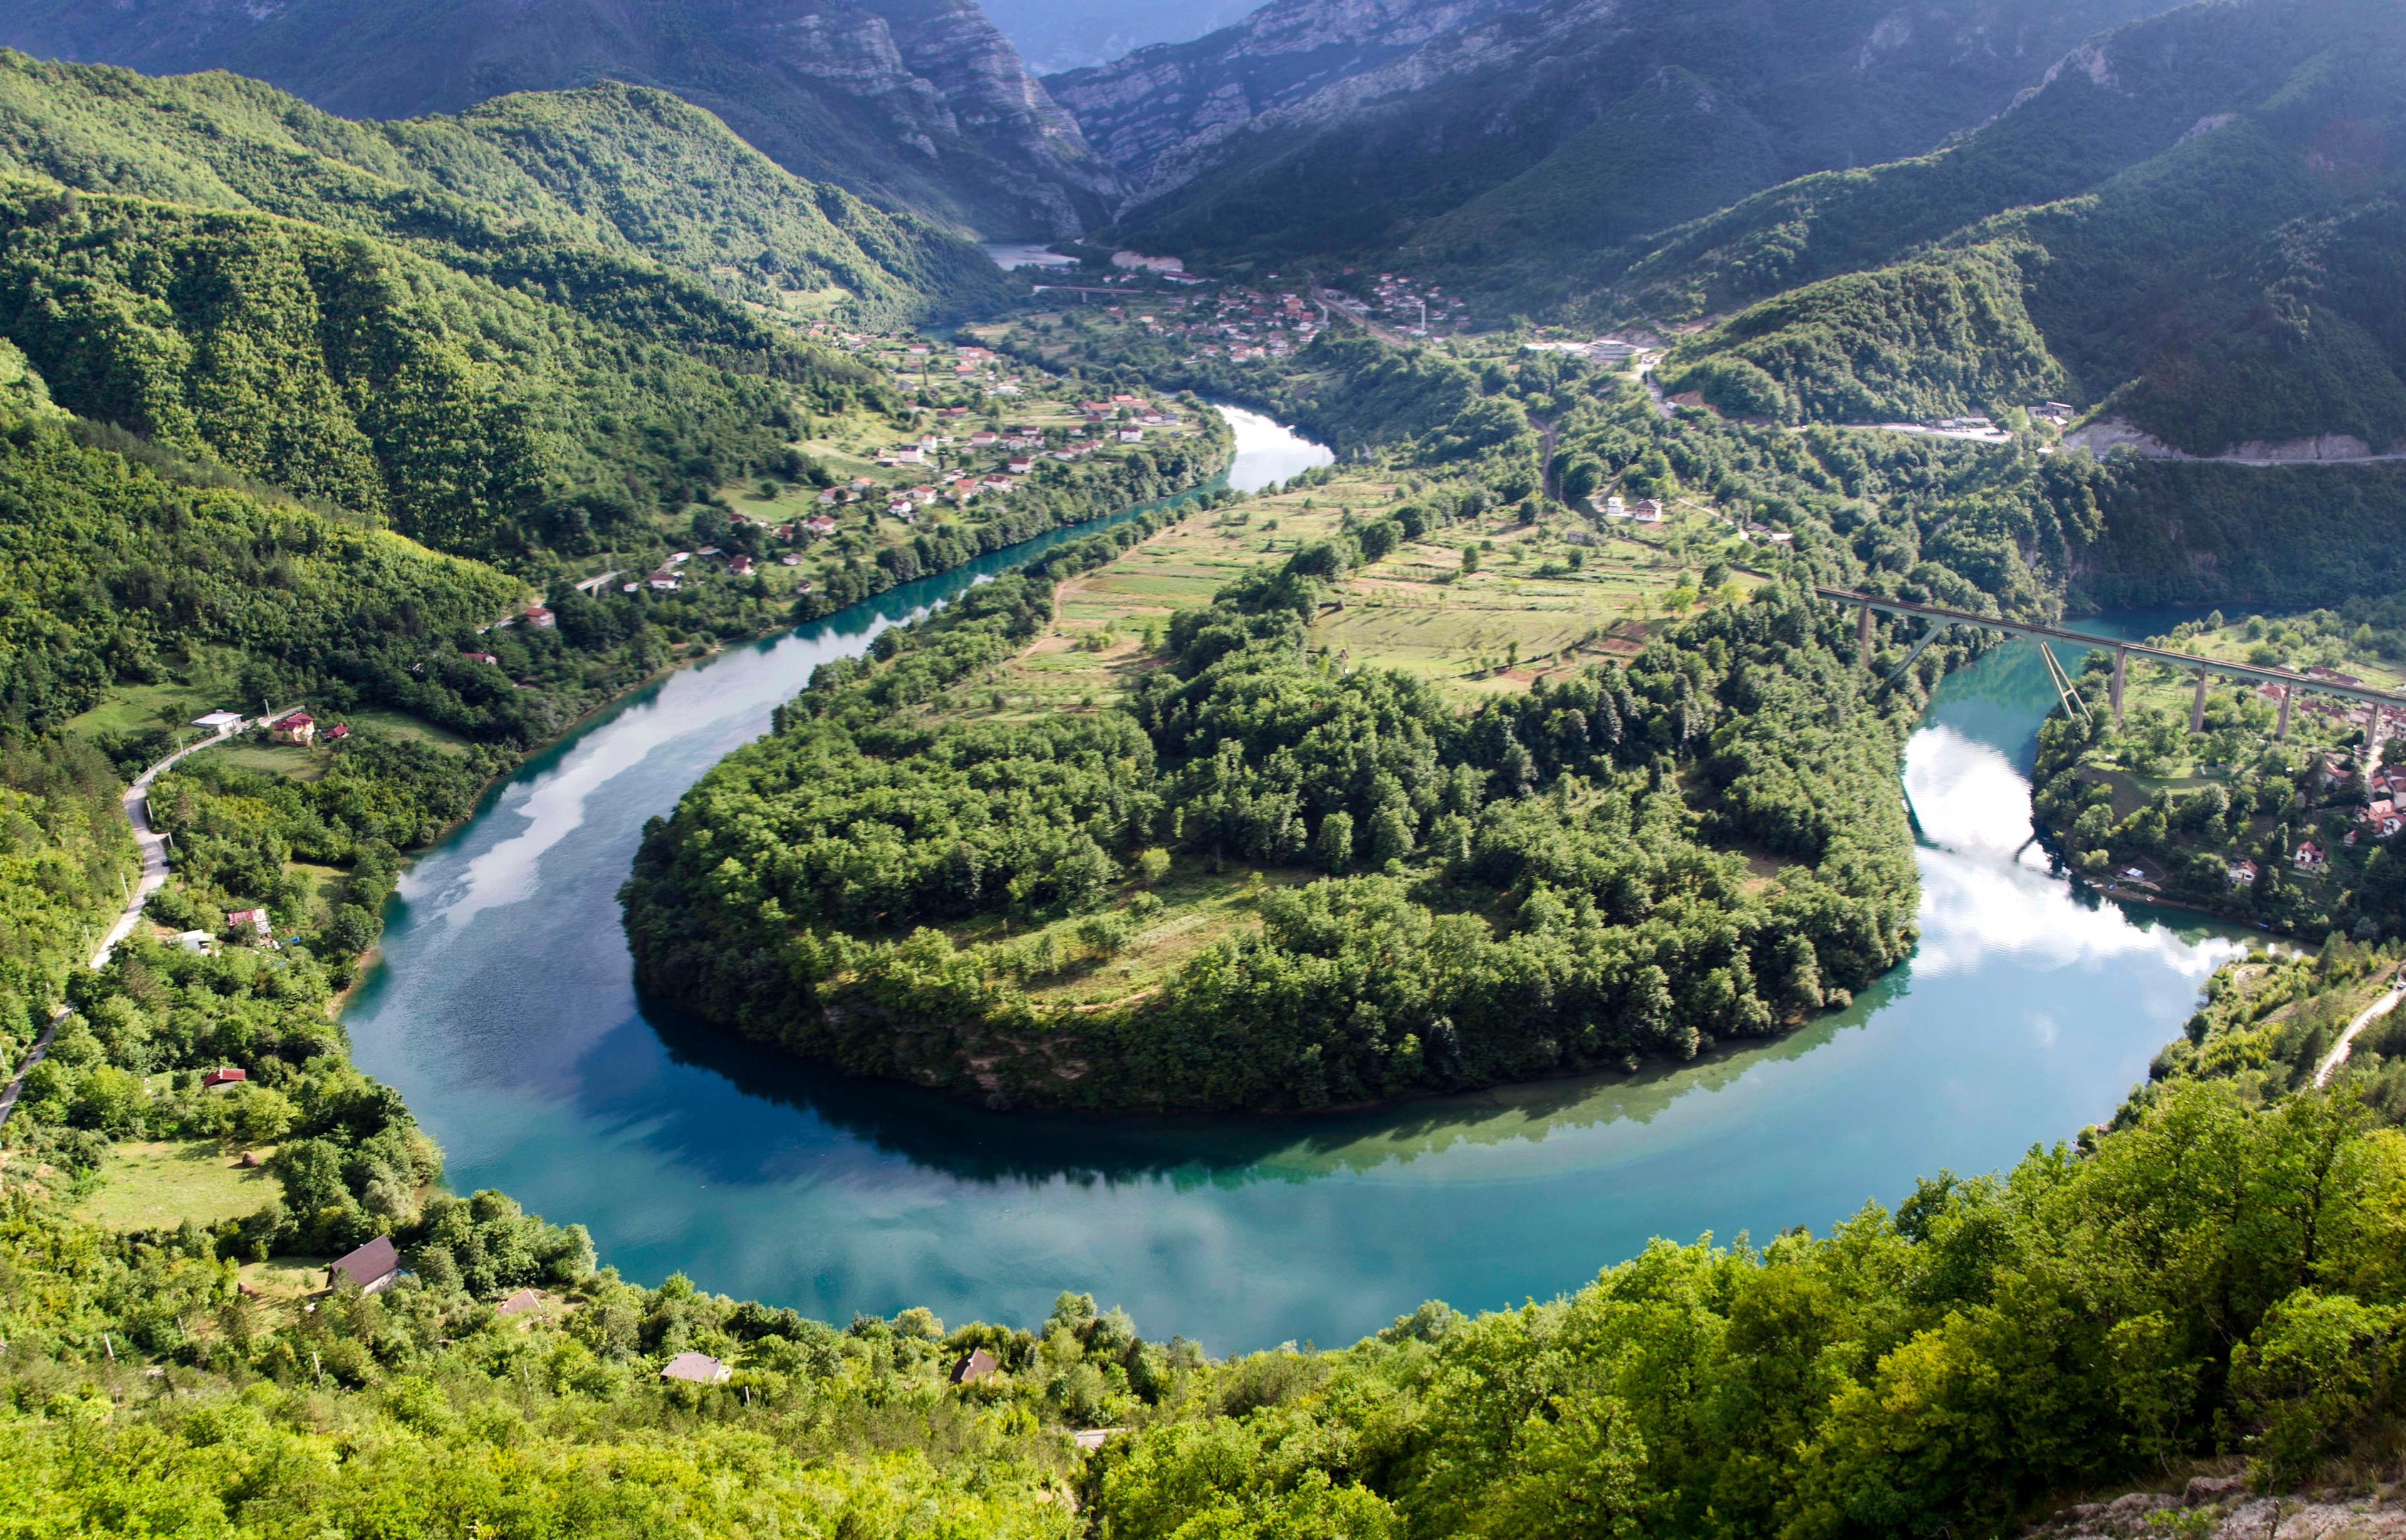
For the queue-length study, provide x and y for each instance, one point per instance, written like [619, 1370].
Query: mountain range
[917, 104]
[1484, 130]
[2191, 225]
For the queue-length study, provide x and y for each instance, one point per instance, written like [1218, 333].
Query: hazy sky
[1058, 34]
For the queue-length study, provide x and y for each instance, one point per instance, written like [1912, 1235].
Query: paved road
[2378, 1008]
[153, 846]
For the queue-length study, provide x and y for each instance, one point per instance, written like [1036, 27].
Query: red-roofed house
[227, 1076]
[299, 727]
[254, 918]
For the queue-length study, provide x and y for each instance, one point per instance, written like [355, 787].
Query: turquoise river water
[503, 1007]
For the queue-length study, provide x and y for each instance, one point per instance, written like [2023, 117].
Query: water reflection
[505, 1010]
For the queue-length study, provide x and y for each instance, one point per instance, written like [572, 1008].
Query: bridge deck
[2284, 677]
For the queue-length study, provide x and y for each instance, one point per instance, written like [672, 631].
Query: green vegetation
[2270, 1023]
[1905, 344]
[1511, 154]
[66, 852]
[909, 105]
[2162, 808]
[611, 173]
[160, 1184]
[1556, 882]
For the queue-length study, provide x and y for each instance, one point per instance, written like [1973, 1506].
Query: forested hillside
[457, 326]
[917, 105]
[610, 171]
[351, 370]
[2215, 271]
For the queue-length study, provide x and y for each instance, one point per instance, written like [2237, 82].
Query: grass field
[1526, 611]
[393, 724]
[282, 1279]
[291, 760]
[152, 1186]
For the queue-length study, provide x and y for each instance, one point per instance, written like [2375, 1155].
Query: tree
[1336, 843]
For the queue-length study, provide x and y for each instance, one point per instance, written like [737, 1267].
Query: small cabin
[974, 1367]
[696, 1369]
[228, 1075]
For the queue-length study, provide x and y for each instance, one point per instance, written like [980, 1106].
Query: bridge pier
[2280, 732]
[2114, 691]
[1863, 633]
[2197, 706]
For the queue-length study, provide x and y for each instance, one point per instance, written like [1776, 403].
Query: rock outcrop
[2221, 1508]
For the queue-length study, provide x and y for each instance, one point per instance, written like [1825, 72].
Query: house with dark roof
[974, 1366]
[371, 1266]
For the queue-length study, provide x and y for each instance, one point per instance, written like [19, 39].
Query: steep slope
[2231, 289]
[352, 370]
[1341, 126]
[439, 325]
[917, 104]
[622, 170]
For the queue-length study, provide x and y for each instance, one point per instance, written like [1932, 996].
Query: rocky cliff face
[919, 104]
[1344, 125]
[1155, 113]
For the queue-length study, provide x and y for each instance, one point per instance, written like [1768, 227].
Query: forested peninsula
[1616, 864]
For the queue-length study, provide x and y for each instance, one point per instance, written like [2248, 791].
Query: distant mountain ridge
[1359, 126]
[2196, 227]
[913, 104]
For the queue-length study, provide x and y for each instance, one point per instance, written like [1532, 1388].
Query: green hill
[498, 330]
[917, 105]
[621, 170]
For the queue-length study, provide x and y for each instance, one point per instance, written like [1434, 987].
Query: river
[503, 1007]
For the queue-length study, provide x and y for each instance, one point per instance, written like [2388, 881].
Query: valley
[980, 759]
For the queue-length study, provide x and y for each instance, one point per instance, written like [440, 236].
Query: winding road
[154, 848]
[2378, 1008]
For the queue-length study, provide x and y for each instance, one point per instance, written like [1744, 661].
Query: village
[976, 430]
[2193, 795]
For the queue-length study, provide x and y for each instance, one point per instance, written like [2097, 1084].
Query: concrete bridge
[1940, 619]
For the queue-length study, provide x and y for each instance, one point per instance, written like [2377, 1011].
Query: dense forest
[1557, 881]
